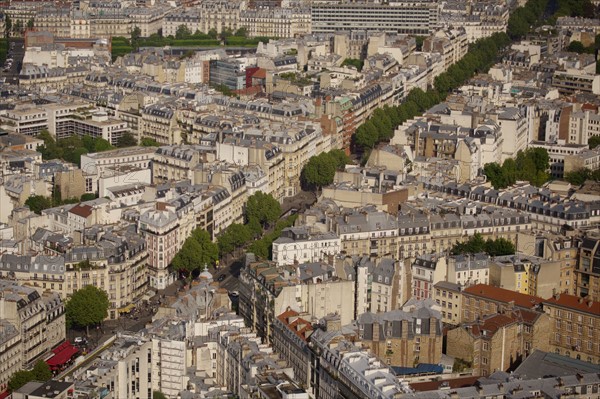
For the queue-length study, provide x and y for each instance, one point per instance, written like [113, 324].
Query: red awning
[4, 394]
[62, 354]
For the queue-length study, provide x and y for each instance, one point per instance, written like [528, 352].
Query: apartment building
[32, 315]
[481, 300]
[299, 245]
[253, 152]
[99, 162]
[29, 121]
[291, 332]
[349, 372]
[176, 162]
[426, 271]
[469, 269]
[266, 291]
[404, 337]
[498, 342]
[419, 17]
[574, 326]
[525, 274]
[587, 270]
[11, 354]
[159, 122]
[572, 81]
[127, 369]
[367, 232]
[159, 227]
[583, 125]
[449, 297]
[276, 22]
[587, 159]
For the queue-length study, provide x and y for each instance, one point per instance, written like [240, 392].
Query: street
[16, 51]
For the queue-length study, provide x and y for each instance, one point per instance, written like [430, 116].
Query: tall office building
[418, 17]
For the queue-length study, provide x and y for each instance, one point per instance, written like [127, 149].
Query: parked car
[221, 277]
[80, 340]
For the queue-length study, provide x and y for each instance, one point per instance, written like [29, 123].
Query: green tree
[235, 236]
[576, 47]
[87, 306]
[8, 26]
[182, 32]
[30, 23]
[126, 140]
[242, 32]
[577, 177]
[189, 257]
[499, 247]
[41, 371]
[158, 395]
[20, 378]
[212, 33]
[263, 208]
[353, 62]
[197, 250]
[87, 197]
[37, 203]
[101, 144]
[340, 158]
[594, 142]
[149, 142]
[318, 172]
[136, 33]
[50, 149]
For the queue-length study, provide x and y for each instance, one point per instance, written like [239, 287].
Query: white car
[79, 340]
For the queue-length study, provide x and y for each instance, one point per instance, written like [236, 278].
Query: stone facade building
[404, 337]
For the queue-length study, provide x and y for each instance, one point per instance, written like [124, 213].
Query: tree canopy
[71, 148]
[579, 176]
[37, 203]
[197, 250]
[149, 142]
[126, 140]
[234, 236]
[476, 244]
[40, 372]
[87, 306]
[530, 165]
[20, 378]
[263, 208]
[320, 169]
[594, 142]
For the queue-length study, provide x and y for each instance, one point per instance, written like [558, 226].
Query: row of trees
[263, 248]
[530, 165]
[523, 18]
[477, 244]
[320, 169]
[18, 27]
[381, 125]
[262, 210]
[72, 148]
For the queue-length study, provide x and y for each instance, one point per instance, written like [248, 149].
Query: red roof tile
[298, 325]
[576, 303]
[81, 210]
[502, 295]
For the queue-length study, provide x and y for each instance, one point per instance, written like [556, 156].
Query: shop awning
[62, 354]
[127, 309]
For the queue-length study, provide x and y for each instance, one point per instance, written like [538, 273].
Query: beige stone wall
[460, 344]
